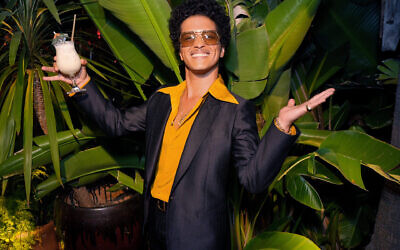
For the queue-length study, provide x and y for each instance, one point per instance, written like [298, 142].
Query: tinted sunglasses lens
[210, 37]
[187, 39]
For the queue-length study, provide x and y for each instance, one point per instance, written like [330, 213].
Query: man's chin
[202, 71]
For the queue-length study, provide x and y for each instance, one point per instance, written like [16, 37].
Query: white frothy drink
[68, 61]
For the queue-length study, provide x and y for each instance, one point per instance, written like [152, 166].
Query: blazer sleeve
[257, 163]
[112, 120]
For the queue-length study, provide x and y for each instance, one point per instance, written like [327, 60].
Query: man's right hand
[81, 77]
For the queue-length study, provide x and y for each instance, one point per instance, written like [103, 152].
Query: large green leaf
[124, 179]
[301, 190]
[248, 90]
[247, 57]
[53, 9]
[82, 164]
[14, 45]
[280, 240]
[390, 71]
[125, 48]
[28, 134]
[7, 126]
[287, 25]
[346, 150]
[319, 172]
[41, 153]
[19, 93]
[350, 168]
[149, 20]
[313, 137]
[277, 99]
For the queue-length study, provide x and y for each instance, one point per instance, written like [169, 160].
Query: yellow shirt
[174, 139]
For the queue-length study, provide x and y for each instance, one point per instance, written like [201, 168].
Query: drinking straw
[73, 28]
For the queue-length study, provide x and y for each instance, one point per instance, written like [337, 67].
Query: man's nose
[198, 41]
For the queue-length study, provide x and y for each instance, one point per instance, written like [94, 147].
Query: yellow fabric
[174, 139]
[292, 130]
[83, 85]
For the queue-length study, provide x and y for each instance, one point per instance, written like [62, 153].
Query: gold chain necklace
[183, 119]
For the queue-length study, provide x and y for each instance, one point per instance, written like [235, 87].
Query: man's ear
[180, 55]
[222, 52]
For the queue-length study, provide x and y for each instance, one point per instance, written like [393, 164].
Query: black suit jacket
[223, 138]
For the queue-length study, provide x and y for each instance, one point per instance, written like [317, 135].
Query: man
[196, 133]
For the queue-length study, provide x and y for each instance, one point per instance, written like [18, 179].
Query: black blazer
[223, 138]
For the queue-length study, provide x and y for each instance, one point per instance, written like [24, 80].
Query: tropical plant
[27, 27]
[323, 59]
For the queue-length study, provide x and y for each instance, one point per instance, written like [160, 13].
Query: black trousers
[156, 227]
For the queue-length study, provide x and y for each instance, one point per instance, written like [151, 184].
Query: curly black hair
[208, 8]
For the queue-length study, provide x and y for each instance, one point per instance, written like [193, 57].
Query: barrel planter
[114, 225]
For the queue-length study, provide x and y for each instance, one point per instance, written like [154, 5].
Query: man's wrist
[83, 82]
[284, 126]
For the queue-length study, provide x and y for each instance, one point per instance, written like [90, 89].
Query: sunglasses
[209, 37]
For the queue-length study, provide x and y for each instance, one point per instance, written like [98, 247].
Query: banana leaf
[320, 172]
[313, 137]
[250, 89]
[302, 191]
[125, 48]
[287, 25]
[277, 99]
[299, 188]
[347, 150]
[149, 20]
[91, 161]
[390, 71]
[247, 55]
[280, 240]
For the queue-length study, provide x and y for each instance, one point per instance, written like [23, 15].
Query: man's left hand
[291, 112]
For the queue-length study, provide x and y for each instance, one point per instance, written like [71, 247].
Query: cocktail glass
[68, 60]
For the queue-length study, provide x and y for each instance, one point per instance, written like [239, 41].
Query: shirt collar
[218, 90]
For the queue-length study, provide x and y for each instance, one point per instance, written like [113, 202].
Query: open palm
[291, 112]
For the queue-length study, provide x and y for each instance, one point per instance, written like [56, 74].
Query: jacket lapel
[160, 114]
[199, 131]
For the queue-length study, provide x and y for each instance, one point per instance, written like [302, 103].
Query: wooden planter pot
[116, 225]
